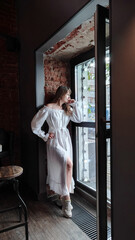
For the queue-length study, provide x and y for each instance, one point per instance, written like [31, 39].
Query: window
[83, 70]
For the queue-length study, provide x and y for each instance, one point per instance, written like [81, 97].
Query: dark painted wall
[123, 118]
[37, 20]
[9, 79]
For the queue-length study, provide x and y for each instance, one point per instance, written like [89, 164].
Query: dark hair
[60, 92]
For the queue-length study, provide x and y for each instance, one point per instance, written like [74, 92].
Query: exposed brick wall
[56, 73]
[9, 80]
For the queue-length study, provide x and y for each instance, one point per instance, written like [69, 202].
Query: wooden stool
[9, 173]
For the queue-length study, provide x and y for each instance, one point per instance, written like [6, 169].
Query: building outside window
[84, 73]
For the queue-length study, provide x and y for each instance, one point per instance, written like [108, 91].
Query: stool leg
[16, 187]
[20, 213]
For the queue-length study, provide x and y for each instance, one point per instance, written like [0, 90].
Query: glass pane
[108, 188]
[86, 165]
[85, 88]
[108, 170]
[107, 61]
[108, 142]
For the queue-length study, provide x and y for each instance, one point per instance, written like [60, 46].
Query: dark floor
[45, 220]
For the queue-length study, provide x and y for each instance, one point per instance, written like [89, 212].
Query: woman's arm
[76, 112]
[38, 121]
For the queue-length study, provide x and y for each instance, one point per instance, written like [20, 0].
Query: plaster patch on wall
[79, 40]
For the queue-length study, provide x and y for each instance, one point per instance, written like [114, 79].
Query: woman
[59, 147]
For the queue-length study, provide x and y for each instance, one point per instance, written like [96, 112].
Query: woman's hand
[71, 101]
[51, 135]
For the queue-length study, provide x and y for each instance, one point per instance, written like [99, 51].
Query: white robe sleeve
[38, 121]
[76, 112]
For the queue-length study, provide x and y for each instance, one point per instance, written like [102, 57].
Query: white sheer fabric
[58, 148]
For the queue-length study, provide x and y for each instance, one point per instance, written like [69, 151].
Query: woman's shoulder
[49, 105]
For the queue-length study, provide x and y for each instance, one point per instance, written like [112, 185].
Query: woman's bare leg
[66, 202]
[69, 176]
[49, 191]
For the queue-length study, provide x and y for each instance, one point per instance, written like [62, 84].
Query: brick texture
[9, 80]
[56, 73]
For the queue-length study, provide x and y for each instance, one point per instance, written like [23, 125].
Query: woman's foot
[58, 201]
[67, 208]
[51, 193]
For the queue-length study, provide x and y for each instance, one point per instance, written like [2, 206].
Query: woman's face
[65, 98]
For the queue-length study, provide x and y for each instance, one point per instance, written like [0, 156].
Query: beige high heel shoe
[67, 208]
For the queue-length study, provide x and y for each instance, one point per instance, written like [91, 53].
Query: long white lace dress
[60, 147]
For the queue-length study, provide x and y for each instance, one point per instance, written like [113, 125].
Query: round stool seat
[9, 172]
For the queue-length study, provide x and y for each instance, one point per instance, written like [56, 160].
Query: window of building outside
[85, 135]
